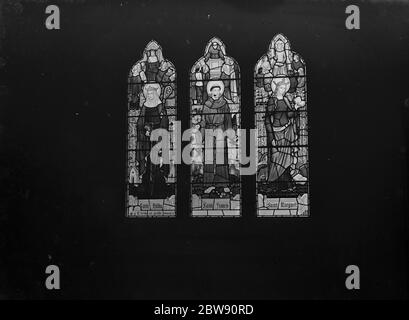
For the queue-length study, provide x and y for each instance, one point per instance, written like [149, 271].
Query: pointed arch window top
[279, 38]
[159, 68]
[217, 41]
[152, 104]
[281, 120]
[215, 63]
[280, 60]
[215, 97]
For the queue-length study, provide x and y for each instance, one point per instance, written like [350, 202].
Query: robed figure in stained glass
[216, 116]
[152, 116]
[151, 188]
[215, 106]
[151, 68]
[281, 133]
[280, 94]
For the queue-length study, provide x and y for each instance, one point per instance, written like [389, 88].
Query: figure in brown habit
[216, 115]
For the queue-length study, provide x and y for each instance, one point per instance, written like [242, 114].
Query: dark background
[63, 130]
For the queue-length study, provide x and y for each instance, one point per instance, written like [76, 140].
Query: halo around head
[280, 81]
[215, 83]
[151, 86]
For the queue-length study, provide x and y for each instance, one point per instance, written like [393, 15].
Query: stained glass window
[151, 185]
[215, 120]
[281, 122]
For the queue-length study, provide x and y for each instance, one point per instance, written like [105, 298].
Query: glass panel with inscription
[151, 185]
[215, 101]
[280, 94]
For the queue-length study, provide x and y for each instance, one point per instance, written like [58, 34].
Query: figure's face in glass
[296, 58]
[279, 45]
[214, 45]
[281, 89]
[196, 119]
[150, 95]
[215, 93]
[152, 53]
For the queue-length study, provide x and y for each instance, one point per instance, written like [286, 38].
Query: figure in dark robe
[215, 52]
[299, 70]
[216, 115]
[259, 78]
[152, 116]
[153, 59]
